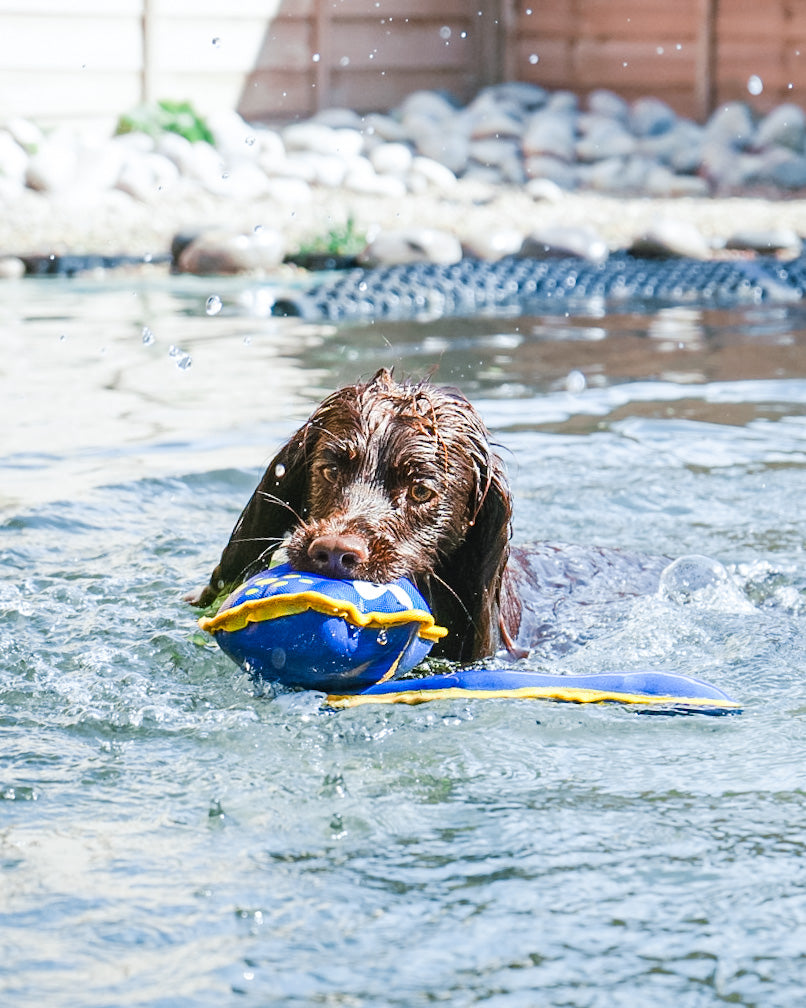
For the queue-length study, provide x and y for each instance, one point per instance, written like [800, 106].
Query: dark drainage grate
[473, 286]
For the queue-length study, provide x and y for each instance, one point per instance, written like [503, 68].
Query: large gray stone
[784, 126]
[550, 134]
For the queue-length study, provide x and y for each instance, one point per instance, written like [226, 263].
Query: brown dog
[387, 480]
[393, 479]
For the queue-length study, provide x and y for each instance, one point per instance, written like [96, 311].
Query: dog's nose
[338, 556]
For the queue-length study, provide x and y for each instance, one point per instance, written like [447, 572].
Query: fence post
[705, 84]
[147, 67]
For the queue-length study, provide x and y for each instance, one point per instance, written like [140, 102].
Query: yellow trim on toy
[258, 610]
[569, 695]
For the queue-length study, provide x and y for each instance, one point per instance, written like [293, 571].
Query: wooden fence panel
[280, 59]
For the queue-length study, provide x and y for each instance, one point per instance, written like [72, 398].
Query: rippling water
[167, 838]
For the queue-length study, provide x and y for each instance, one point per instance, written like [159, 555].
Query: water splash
[181, 357]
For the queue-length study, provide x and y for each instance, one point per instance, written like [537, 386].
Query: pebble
[560, 240]
[416, 245]
[515, 138]
[766, 242]
[669, 237]
[221, 253]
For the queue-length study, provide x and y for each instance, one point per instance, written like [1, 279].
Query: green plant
[166, 117]
[345, 240]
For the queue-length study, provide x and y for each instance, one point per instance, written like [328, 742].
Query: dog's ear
[278, 503]
[475, 571]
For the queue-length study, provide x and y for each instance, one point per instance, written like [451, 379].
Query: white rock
[448, 147]
[385, 127]
[426, 173]
[663, 182]
[784, 126]
[680, 147]
[784, 168]
[290, 192]
[11, 268]
[235, 139]
[766, 242]
[245, 181]
[604, 138]
[177, 149]
[549, 134]
[608, 105]
[425, 104]
[561, 173]
[27, 134]
[668, 237]
[146, 176]
[141, 143]
[414, 245]
[563, 240]
[312, 136]
[52, 167]
[13, 159]
[328, 170]
[651, 117]
[372, 184]
[339, 118]
[731, 125]
[226, 253]
[545, 189]
[493, 245]
[392, 159]
[270, 146]
[493, 152]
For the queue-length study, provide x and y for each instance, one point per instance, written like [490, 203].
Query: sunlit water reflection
[169, 838]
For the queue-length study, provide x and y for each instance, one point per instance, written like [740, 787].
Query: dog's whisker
[274, 499]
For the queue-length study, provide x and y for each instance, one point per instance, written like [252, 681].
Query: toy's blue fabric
[649, 689]
[319, 633]
[355, 640]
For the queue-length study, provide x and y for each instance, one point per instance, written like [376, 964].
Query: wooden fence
[280, 59]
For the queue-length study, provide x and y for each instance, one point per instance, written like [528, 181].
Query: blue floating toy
[355, 640]
[318, 633]
[651, 691]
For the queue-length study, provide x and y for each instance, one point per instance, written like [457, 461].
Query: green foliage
[166, 117]
[339, 241]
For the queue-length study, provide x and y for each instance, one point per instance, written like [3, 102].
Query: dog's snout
[338, 556]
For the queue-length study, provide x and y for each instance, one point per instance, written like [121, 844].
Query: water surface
[170, 838]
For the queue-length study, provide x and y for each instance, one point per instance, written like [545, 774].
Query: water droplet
[217, 42]
[575, 382]
[181, 357]
[528, 11]
[148, 336]
[463, 34]
[316, 57]
[383, 637]
[534, 58]
[659, 50]
[445, 32]
[257, 228]
[755, 85]
[279, 470]
[214, 305]
[247, 340]
[250, 141]
[344, 61]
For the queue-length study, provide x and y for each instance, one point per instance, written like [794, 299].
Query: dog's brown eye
[330, 473]
[420, 493]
